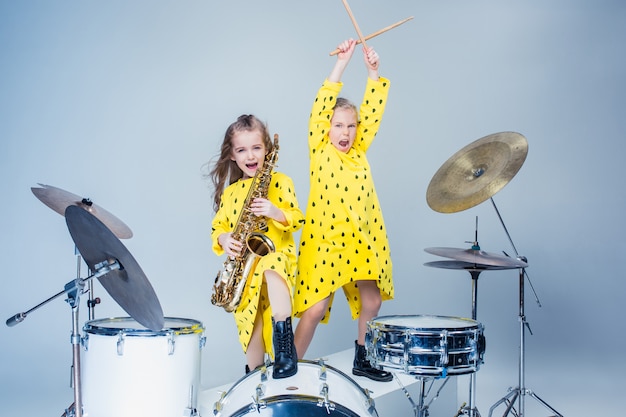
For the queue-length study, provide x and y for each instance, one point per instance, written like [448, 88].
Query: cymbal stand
[520, 392]
[73, 289]
[471, 409]
[91, 302]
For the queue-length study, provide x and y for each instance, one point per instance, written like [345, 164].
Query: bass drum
[129, 370]
[316, 390]
[425, 345]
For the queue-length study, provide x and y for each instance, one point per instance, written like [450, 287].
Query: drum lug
[170, 343]
[443, 343]
[120, 343]
[371, 405]
[263, 371]
[473, 357]
[202, 341]
[324, 402]
[405, 351]
[84, 341]
[219, 404]
[322, 372]
[257, 402]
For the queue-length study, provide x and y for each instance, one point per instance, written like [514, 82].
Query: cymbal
[477, 256]
[127, 285]
[466, 266]
[476, 172]
[58, 200]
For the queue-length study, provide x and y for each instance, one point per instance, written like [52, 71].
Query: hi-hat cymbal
[477, 256]
[476, 172]
[58, 200]
[466, 266]
[127, 285]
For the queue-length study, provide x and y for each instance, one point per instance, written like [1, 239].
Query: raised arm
[346, 49]
[372, 61]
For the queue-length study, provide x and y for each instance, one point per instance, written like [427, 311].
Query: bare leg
[255, 354]
[307, 325]
[371, 300]
[279, 294]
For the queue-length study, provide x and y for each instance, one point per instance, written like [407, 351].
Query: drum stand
[73, 289]
[471, 409]
[519, 393]
[420, 409]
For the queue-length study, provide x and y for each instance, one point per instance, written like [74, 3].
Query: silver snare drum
[316, 390]
[425, 345]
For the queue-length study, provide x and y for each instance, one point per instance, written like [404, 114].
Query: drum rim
[302, 361]
[376, 322]
[96, 327]
[285, 398]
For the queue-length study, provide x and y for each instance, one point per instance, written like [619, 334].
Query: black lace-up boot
[285, 356]
[362, 366]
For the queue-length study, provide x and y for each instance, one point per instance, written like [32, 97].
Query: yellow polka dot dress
[254, 297]
[344, 239]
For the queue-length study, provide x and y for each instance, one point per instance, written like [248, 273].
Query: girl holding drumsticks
[344, 242]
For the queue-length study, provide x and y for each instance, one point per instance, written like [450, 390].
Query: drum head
[429, 323]
[129, 326]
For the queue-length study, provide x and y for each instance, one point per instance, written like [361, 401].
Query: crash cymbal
[476, 172]
[466, 266]
[477, 256]
[58, 200]
[128, 285]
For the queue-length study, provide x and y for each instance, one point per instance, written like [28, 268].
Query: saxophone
[231, 280]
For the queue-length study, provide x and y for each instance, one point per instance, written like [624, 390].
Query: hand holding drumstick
[346, 49]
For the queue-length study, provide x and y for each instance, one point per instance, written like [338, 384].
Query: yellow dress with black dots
[344, 239]
[254, 298]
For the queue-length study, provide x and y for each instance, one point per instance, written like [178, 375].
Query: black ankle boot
[285, 356]
[362, 366]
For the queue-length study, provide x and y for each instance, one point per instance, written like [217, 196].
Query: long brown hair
[225, 171]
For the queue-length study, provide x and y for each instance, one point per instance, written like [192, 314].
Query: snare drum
[128, 370]
[426, 345]
[316, 390]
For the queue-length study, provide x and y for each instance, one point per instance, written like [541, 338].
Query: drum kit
[128, 361]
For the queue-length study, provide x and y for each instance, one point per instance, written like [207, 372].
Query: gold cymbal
[58, 200]
[476, 172]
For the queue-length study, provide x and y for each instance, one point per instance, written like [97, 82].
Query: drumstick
[372, 35]
[356, 26]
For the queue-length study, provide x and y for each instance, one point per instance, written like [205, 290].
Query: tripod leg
[545, 404]
[506, 399]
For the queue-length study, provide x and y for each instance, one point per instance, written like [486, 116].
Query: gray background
[123, 102]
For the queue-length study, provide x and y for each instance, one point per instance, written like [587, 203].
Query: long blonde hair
[225, 171]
